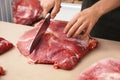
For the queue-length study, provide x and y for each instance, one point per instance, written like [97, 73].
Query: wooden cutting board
[17, 67]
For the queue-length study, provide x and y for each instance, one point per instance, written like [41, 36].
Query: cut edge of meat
[2, 72]
[5, 45]
[93, 43]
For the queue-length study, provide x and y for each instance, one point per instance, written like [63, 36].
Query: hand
[48, 4]
[82, 23]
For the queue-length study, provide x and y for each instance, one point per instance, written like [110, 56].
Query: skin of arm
[48, 4]
[86, 19]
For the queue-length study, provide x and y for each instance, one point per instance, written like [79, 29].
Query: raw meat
[55, 48]
[1, 71]
[5, 45]
[26, 11]
[107, 69]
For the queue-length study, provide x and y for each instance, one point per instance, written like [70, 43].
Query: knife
[41, 31]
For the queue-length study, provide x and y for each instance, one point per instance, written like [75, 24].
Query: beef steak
[54, 47]
[26, 11]
[107, 69]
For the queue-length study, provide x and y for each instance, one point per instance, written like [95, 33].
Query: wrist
[97, 12]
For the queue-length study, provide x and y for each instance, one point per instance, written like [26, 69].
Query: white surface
[67, 11]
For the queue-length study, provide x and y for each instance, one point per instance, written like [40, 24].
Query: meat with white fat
[55, 47]
[26, 12]
[106, 69]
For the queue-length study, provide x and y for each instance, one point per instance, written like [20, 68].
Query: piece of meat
[5, 45]
[26, 12]
[54, 47]
[1, 71]
[107, 69]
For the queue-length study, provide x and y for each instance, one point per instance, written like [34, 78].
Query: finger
[86, 32]
[44, 13]
[56, 8]
[80, 30]
[70, 24]
[73, 28]
[44, 7]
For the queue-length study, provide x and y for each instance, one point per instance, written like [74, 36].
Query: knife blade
[41, 31]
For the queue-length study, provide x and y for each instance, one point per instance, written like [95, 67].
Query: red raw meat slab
[26, 12]
[107, 69]
[54, 47]
[5, 45]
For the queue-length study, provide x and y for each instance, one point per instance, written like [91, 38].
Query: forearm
[104, 6]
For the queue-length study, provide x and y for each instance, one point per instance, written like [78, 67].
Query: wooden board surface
[17, 68]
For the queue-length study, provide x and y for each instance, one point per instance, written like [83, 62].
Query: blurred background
[68, 9]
